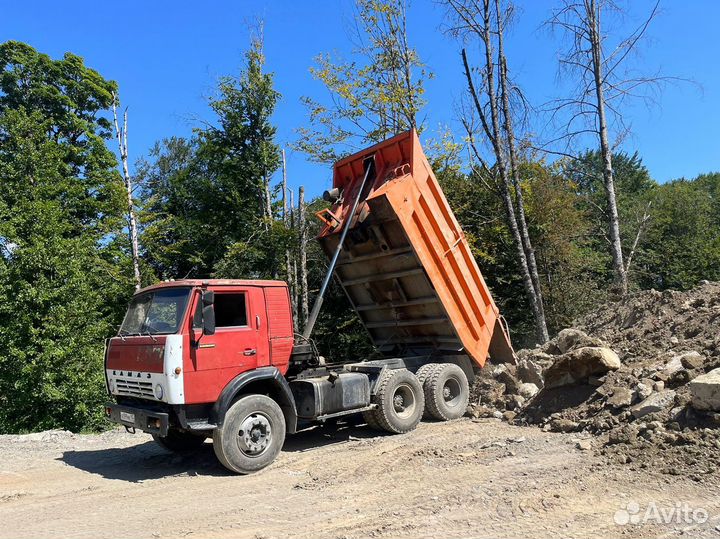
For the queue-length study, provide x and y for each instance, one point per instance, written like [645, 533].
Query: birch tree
[604, 83]
[476, 20]
[121, 135]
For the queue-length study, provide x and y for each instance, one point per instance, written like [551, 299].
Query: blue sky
[167, 57]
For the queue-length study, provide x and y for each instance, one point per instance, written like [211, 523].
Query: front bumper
[139, 418]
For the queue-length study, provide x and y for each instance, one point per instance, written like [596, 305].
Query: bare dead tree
[121, 135]
[284, 188]
[292, 264]
[603, 85]
[267, 201]
[500, 17]
[257, 29]
[642, 225]
[473, 20]
[304, 304]
[286, 217]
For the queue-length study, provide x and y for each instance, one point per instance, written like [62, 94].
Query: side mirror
[208, 312]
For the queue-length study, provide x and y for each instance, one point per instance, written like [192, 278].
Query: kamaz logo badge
[130, 374]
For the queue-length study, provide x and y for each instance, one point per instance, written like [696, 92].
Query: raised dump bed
[406, 265]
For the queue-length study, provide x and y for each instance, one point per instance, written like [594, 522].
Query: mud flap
[501, 350]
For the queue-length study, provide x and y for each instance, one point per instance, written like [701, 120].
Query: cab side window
[197, 317]
[230, 310]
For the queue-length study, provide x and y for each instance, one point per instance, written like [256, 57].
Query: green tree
[377, 94]
[209, 209]
[64, 269]
[633, 186]
[682, 244]
[180, 234]
[572, 271]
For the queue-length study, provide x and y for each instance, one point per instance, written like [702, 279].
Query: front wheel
[251, 436]
[179, 442]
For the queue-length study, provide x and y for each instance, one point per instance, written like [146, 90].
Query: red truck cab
[168, 370]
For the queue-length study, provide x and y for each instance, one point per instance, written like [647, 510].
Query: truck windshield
[155, 313]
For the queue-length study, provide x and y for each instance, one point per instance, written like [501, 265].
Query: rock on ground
[528, 390]
[578, 364]
[705, 391]
[572, 338]
[657, 402]
[531, 371]
[621, 397]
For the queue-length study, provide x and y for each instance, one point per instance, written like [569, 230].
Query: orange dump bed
[406, 265]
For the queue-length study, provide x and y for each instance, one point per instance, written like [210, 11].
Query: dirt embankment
[627, 373]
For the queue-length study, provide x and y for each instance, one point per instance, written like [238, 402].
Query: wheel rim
[404, 401]
[255, 434]
[451, 392]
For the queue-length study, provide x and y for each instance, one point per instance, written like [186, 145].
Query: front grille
[134, 388]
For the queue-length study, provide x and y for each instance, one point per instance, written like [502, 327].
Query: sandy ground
[466, 478]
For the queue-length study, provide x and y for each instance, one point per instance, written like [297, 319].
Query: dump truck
[201, 358]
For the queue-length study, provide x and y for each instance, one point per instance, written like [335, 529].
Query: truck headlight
[158, 392]
[111, 385]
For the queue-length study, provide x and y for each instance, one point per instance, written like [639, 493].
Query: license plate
[127, 416]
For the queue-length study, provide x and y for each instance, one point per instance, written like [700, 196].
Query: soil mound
[624, 373]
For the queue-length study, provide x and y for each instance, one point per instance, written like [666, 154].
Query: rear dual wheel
[446, 390]
[400, 402]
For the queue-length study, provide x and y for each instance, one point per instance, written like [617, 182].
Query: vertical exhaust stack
[402, 258]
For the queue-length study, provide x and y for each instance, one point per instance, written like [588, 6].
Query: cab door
[238, 345]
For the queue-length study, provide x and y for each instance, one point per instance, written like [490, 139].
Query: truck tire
[424, 371]
[369, 417]
[400, 401]
[446, 392]
[179, 442]
[251, 436]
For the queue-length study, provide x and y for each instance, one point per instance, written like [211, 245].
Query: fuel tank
[319, 396]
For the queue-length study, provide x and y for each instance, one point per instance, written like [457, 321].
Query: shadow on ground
[330, 433]
[550, 401]
[147, 461]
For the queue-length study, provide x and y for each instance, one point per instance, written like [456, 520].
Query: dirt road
[479, 478]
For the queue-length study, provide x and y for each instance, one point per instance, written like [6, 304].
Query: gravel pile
[640, 374]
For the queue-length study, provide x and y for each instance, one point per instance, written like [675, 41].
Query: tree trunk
[127, 179]
[267, 200]
[494, 133]
[304, 304]
[515, 176]
[593, 16]
[284, 188]
[292, 266]
[288, 226]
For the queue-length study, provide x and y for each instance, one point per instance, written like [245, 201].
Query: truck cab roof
[212, 283]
